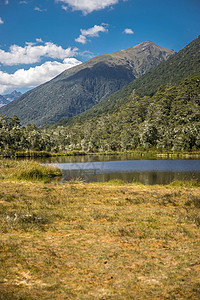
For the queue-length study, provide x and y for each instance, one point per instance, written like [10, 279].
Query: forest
[169, 120]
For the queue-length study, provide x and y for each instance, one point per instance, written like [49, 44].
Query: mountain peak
[6, 99]
[147, 44]
[143, 44]
[14, 92]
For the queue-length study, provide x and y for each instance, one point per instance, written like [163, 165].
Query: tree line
[169, 120]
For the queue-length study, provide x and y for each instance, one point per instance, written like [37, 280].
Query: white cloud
[93, 31]
[23, 2]
[6, 2]
[128, 31]
[30, 44]
[81, 39]
[39, 9]
[39, 40]
[64, 7]
[1, 21]
[88, 6]
[90, 32]
[34, 76]
[33, 53]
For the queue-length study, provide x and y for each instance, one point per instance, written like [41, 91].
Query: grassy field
[97, 241]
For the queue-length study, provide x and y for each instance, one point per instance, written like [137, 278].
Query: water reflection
[89, 158]
[149, 178]
[144, 171]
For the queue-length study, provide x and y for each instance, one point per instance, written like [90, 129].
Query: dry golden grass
[99, 241]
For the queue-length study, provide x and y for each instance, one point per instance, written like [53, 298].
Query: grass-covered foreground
[98, 241]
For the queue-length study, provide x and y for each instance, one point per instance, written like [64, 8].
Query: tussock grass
[98, 241]
[27, 170]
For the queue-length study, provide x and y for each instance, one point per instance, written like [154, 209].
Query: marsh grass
[97, 241]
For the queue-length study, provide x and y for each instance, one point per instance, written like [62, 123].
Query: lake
[126, 168]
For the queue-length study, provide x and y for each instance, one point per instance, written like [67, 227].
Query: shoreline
[156, 154]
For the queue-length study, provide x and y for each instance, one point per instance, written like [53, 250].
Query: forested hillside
[170, 120]
[185, 63]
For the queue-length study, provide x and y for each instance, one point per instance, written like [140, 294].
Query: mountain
[185, 63]
[6, 99]
[3, 101]
[81, 87]
[14, 95]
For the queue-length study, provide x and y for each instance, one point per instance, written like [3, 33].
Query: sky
[39, 39]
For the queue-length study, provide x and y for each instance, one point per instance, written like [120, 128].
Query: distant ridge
[6, 99]
[83, 86]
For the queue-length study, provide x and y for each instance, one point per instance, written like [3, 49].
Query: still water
[128, 169]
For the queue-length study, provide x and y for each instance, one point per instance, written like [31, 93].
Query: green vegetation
[98, 241]
[23, 141]
[168, 121]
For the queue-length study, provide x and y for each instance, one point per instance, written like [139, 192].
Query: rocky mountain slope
[81, 87]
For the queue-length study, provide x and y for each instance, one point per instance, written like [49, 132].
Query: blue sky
[41, 38]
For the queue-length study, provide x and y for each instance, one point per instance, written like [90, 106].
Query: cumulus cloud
[128, 31]
[81, 39]
[88, 6]
[33, 53]
[93, 31]
[34, 76]
[1, 21]
[90, 32]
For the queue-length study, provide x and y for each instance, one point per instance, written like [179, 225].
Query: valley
[99, 150]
